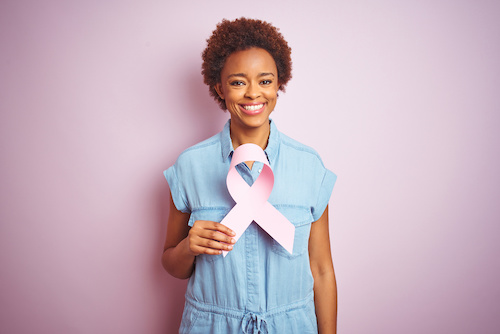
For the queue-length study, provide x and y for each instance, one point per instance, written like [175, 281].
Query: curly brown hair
[243, 34]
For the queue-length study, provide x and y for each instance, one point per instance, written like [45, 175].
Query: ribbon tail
[277, 226]
[238, 220]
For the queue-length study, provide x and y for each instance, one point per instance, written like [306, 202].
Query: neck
[258, 136]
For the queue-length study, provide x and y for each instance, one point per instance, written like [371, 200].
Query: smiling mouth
[253, 107]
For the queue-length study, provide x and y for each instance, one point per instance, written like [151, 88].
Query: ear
[218, 89]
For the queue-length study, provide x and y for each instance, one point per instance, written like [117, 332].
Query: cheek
[233, 94]
[273, 94]
[276, 90]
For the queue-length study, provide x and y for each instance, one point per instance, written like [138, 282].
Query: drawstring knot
[253, 324]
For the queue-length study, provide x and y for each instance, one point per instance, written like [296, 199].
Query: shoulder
[296, 149]
[202, 150]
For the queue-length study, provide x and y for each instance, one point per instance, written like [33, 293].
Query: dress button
[260, 170]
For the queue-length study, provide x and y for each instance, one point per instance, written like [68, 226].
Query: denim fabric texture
[258, 287]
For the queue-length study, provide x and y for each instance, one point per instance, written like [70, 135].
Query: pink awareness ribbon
[251, 201]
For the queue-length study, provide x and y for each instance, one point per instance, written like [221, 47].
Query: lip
[252, 112]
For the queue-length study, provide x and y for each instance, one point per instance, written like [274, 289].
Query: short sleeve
[176, 189]
[324, 193]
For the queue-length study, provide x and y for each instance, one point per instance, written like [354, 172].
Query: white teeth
[253, 107]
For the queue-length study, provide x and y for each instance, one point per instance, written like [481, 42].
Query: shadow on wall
[202, 118]
[172, 289]
[202, 112]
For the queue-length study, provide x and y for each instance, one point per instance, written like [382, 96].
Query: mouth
[252, 109]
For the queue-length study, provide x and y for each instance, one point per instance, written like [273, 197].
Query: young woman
[259, 287]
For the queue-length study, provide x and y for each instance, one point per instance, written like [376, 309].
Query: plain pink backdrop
[401, 99]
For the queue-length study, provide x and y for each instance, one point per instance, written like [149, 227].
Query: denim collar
[271, 149]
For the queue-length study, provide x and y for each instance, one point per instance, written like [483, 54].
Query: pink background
[401, 99]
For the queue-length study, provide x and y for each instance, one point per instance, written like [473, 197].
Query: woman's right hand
[208, 237]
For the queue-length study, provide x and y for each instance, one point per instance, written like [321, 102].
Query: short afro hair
[242, 34]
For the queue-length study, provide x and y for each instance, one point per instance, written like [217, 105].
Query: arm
[325, 286]
[183, 243]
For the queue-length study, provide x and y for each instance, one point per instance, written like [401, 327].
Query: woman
[259, 287]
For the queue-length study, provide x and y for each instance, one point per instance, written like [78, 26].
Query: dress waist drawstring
[246, 321]
[254, 324]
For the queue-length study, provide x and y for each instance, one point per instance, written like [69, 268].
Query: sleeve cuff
[325, 192]
[175, 190]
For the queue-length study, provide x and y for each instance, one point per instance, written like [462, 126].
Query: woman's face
[249, 86]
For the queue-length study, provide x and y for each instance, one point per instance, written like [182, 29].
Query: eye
[266, 82]
[237, 83]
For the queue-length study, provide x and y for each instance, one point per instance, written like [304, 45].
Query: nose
[252, 91]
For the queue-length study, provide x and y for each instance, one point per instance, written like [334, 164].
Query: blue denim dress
[258, 287]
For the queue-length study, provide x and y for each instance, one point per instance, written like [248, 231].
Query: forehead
[254, 60]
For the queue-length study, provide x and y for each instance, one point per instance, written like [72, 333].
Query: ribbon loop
[251, 201]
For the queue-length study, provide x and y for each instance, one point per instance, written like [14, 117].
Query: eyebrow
[245, 75]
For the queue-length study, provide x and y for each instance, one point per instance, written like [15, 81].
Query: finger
[224, 229]
[209, 239]
[210, 247]
[217, 236]
[211, 225]
[197, 250]
[214, 226]
[212, 244]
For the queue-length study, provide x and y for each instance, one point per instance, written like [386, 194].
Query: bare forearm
[325, 300]
[178, 261]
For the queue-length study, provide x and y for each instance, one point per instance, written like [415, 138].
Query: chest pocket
[302, 218]
[211, 214]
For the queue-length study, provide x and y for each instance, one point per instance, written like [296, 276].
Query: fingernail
[233, 241]
[229, 247]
